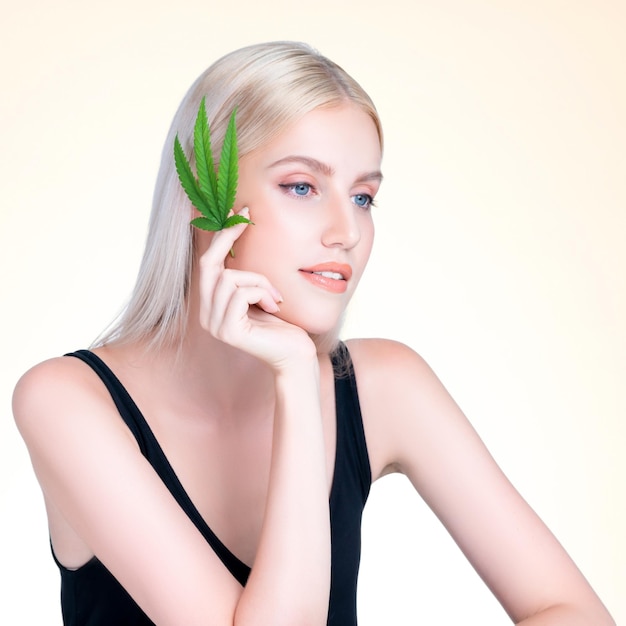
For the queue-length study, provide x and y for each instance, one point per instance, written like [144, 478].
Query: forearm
[290, 579]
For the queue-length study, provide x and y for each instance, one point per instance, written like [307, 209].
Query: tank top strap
[351, 453]
[125, 405]
[349, 492]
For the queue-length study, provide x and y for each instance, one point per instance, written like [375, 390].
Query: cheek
[368, 234]
[258, 248]
[367, 242]
[273, 234]
[244, 250]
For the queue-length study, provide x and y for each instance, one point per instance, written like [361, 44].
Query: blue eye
[300, 190]
[363, 200]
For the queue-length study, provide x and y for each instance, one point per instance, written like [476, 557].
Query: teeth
[333, 275]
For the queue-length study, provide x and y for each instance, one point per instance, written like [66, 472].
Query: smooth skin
[258, 465]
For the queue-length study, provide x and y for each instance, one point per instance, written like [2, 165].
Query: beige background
[499, 256]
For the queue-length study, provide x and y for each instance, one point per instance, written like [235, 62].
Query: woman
[231, 490]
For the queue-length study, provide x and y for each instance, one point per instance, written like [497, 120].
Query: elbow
[605, 619]
[596, 615]
[572, 615]
[287, 616]
[280, 616]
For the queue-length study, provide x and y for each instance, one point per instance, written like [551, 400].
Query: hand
[237, 307]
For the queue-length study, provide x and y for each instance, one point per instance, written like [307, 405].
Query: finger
[215, 297]
[233, 325]
[230, 283]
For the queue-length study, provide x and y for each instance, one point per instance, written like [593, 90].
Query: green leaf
[204, 160]
[236, 219]
[213, 194]
[188, 180]
[206, 223]
[228, 170]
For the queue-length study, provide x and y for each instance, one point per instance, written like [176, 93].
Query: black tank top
[91, 596]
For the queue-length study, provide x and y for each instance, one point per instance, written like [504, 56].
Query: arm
[426, 437]
[90, 469]
[290, 580]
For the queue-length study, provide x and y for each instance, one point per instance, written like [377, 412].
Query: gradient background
[500, 245]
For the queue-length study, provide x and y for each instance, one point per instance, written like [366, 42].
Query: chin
[316, 325]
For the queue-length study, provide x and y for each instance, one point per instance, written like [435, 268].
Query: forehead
[343, 135]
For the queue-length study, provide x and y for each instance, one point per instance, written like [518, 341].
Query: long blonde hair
[271, 85]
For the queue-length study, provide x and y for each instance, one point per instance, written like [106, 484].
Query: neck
[211, 370]
[202, 376]
[213, 367]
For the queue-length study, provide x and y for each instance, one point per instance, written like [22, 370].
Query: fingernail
[245, 211]
[276, 295]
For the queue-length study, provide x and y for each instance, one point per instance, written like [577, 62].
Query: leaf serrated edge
[188, 180]
[206, 223]
[233, 220]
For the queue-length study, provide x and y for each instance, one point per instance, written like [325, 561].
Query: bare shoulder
[50, 380]
[395, 384]
[383, 366]
[48, 377]
[51, 392]
[378, 356]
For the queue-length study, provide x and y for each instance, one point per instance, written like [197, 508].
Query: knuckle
[208, 265]
[205, 260]
[214, 327]
[228, 274]
[222, 334]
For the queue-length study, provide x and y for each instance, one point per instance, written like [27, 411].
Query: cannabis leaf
[212, 194]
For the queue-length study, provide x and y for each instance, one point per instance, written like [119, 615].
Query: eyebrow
[323, 168]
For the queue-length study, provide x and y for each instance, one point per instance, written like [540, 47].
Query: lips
[340, 271]
[329, 276]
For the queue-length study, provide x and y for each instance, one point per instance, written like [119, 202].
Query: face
[310, 193]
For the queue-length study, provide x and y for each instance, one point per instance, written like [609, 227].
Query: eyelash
[289, 188]
[370, 201]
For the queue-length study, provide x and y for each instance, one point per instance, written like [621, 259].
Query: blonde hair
[271, 85]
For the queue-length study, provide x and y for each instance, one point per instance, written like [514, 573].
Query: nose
[342, 228]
